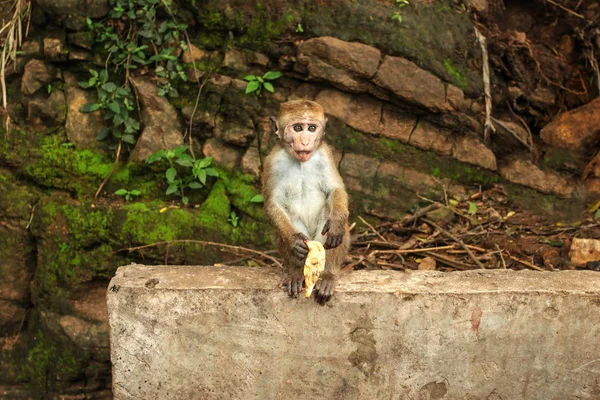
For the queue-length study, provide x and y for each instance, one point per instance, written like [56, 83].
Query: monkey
[305, 197]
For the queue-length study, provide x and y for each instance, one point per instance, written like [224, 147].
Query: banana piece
[313, 266]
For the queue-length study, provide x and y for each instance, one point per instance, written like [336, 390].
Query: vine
[134, 39]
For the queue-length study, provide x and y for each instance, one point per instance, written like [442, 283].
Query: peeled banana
[313, 266]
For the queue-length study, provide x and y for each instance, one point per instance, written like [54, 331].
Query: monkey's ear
[276, 126]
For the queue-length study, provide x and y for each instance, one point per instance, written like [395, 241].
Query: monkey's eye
[312, 128]
[297, 127]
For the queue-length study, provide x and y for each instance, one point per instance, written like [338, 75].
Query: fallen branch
[566, 9]
[204, 243]
[526, 263]
[457, 240]
[373, 229]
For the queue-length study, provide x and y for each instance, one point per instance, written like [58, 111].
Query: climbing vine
[132, 38]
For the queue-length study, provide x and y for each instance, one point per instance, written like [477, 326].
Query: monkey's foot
[324, 288]
[295, 284]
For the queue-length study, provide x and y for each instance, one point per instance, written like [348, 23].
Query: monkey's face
[302, 138]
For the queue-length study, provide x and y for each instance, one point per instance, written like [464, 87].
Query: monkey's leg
[334, 258]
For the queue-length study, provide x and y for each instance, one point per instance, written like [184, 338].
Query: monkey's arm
[335, 226]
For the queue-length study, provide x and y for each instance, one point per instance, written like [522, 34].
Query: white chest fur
[304, 190]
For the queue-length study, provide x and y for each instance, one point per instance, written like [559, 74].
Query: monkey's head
[301, 126]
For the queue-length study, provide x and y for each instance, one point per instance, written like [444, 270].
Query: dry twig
[373, 229]
[457, 240]
[204, 243]
[112, 171]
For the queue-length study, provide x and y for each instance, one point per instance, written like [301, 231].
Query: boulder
[81, 128]
[575, 129]
[357, 58]
[415, 85]
[526, 173]
[85, 40]
[162, 128]
[584, 250]
[37, 74]
[55, 48]
[251, 162]
[48, 111]
[361, 112]
[471, 150]
[222, 154]
[429, 137]
[397, 125]
[591, 176]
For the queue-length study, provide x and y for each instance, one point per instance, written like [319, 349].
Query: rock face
[473, 151]
[162, 128]
[575, 129]
[48, 111]
[223, 154]
[591, 176]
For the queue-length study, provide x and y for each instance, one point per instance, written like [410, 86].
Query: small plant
[233, 219]
[398, 14]
[299, 28]
[257, 83]
[128, 194]
[192, 172]
[257, 199]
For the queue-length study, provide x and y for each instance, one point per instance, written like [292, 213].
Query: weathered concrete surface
[229, 333]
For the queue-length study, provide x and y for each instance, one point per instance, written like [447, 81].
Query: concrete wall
[230, 333]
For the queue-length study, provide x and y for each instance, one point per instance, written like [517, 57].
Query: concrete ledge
[180, 332]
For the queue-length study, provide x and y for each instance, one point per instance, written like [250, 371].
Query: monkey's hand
[335, 231]
[324, 288]
[299, 246]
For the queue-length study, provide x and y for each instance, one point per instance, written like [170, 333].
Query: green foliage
[257, 83]
[398, 14]
[133, 38]
[128, 194]
[597, 214]
[299, 28]
[184, 170]
[257, 199]
[233, 219]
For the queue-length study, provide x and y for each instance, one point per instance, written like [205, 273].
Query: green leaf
[195, 185]
[259, 198]
[90, 107]
[121, 192]
[114, 107]
[159, 155]
[269, 87]
[171, 174]
[128, 139]
[135, 192]
[211, 172]
[172, 189]
[205, 162]
[185, 200]
[202, 176]
[250, 78]
[103, 134]
[597, 214]
[185, 162]
[110, 87]
[252, 86]
[472, 207]
[272, 75]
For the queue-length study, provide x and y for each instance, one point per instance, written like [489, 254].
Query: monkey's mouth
[303, 155]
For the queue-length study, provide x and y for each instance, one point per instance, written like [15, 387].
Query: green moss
[458, 79]
[49, 364]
